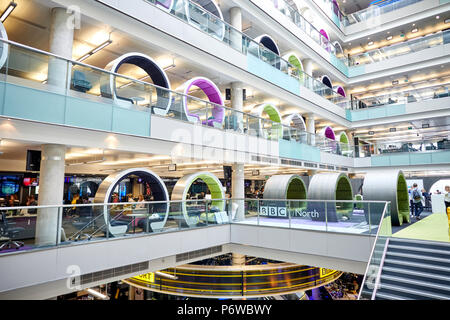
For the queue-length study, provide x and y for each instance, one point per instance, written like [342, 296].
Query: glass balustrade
[83, 223]
[202, 19]
[294, 16]
[395, 50]
[364, 58]
[363, 15]
[66, 82]
[407, 95]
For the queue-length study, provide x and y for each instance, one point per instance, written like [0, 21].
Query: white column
[311, 128]
[51, 192]
[237, 103]
[238, 191]
[236, 22]
[61, 44]
[237, 176]
[308, 69]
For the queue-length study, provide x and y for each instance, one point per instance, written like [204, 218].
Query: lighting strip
[12, 5]
[95, 50]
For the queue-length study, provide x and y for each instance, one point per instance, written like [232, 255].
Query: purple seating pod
[214, 96]
[341, 91]
[328, 132]
[326, 42]
[166, 5]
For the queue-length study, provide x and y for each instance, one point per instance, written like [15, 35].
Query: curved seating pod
[159, 192]
[296, 121]
[181, 189]
[195, 17]
[325, 40]
[330, 186]
[343, 138]
[154, 71]
[286, 187]
[339, 51]
[269, 43]
[276, 131]
[294, 60]
[3, 46]
[328, 132]
[166, 5]
[214, 96]
[341, 91]
[326, 81]
[387, 185]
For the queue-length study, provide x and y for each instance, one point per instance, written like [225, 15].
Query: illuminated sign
[326, 272]
[147, 277]
[277, 211]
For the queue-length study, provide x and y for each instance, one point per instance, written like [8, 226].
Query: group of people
[418, 197]
[348, 284]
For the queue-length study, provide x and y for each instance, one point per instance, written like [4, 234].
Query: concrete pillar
[237, 176]
[61, 44]
[308, 69]
[51, 192]
[311, 128]
[238, 259]
[236, 22]
[238, 191]
[237, 103]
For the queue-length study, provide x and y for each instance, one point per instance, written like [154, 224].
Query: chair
[79, 82]
[7, 231]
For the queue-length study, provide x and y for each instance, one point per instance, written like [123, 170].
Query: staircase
[415, 270]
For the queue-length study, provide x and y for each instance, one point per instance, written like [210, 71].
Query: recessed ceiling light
[413, 24]
[370, 43]
[437, 17]
[389, 38]
[414, 30]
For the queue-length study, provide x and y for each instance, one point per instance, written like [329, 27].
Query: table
[143, 215]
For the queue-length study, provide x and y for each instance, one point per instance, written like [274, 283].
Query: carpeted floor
[433, 227]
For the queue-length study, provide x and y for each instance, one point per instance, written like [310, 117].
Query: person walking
[417, 201]
[411, 203]
[447, 197]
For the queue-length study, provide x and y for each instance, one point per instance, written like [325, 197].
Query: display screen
[9, 185]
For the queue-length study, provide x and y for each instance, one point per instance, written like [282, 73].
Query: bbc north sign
[282, 212]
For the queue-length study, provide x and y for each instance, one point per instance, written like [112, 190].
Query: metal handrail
[373, 249]
[179, 201]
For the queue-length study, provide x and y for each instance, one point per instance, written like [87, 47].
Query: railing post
[289, 214]
[257, 210]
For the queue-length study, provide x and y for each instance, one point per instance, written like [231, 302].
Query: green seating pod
[286, 186]
[183, 185]
[330, 186]
[387, 185]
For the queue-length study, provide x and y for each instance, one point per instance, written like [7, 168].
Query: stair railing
[368, 268]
